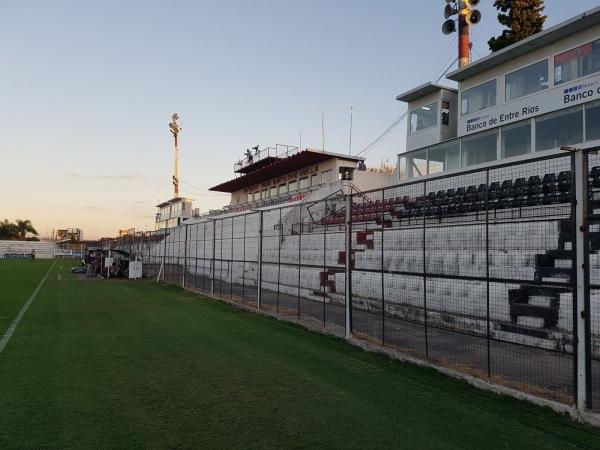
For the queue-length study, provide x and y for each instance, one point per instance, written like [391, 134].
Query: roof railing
[279, 151]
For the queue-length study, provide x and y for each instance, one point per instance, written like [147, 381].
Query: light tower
[175, 129]
[467, 16]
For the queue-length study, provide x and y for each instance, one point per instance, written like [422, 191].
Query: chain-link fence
[473, 271]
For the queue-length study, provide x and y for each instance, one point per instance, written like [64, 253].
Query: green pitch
[97, 364]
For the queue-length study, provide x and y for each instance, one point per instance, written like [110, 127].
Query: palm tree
[8, 230]
[24, 227]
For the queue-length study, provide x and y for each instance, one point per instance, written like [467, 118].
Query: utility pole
[175, 129]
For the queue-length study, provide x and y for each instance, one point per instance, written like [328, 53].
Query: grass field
[119, 364]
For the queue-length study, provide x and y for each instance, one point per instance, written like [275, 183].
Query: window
[402, 171]
[283, 188]
[478, 98]
[480, 148]
[273, 191]
[444, 157]
[526, 81]
[265, 193]
[516, 139]
[417, 164]
[577, 63]
[424, 117]
[250, 197]
[304, 183]
[592, 121]
[559, 129]
[314, 180]
[293, 186]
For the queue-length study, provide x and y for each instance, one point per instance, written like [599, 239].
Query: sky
[87, 89]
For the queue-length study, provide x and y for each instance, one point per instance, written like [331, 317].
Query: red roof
[280, 167]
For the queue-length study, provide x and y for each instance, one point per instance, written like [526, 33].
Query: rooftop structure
[173, 212]
[537, 95]
[285, 173]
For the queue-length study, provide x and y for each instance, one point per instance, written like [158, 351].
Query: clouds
[115, 177]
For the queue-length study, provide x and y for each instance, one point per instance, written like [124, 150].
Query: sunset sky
[87, 89]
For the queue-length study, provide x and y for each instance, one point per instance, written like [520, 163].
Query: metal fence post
[348, 283]
[212, 261]
[260, 247]
[164, 263]
[184, 258]
[581, 231]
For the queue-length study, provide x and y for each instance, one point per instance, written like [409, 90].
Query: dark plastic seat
[595, 177]
[506, 188]
[549, 184]
[518, 189]
[471, 194]
[482, 192]
[440, 198]
[564, 181]
[534, 185]
[459, 195]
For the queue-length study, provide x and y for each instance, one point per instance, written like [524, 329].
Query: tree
[8, 230]
[523, 18]
[24, 227]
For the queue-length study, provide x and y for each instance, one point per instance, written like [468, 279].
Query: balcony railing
[279, 151]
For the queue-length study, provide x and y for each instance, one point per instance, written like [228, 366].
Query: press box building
[537, 95]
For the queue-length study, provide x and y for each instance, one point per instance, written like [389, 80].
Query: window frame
[570, 49]
[550, 82]
[462, 92]
[437, 113]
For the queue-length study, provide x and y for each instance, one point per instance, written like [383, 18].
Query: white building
[537, 95]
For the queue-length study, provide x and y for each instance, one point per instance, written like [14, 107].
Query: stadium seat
[595, 177]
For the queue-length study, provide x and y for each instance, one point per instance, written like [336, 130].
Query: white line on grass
[15, 323]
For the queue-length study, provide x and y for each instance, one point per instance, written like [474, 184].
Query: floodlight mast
[467, 16]
[175, 129]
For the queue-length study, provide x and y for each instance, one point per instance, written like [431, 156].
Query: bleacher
[536, 190]
[43, 250]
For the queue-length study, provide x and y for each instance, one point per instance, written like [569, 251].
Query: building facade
[537, 95]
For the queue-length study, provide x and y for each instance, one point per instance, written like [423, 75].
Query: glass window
[478, 98]
[576, 63]
[559, 129]
[480, 148]
[250, 196]
[402, 174]
[283, 188]
[417, 164]
[265, 193]
[273, 191]
[592, 121]
[444, 157]
[314, 180]
[516, 139]
[293, 186]
[424, 117]
[526, 81]
[304, 183]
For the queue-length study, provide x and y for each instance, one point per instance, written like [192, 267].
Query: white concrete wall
[43, 250]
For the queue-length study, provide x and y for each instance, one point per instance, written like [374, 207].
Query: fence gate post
[348, 248]
[581, 193]
[260, 248]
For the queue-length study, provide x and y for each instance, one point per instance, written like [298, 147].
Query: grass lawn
[135, 364]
